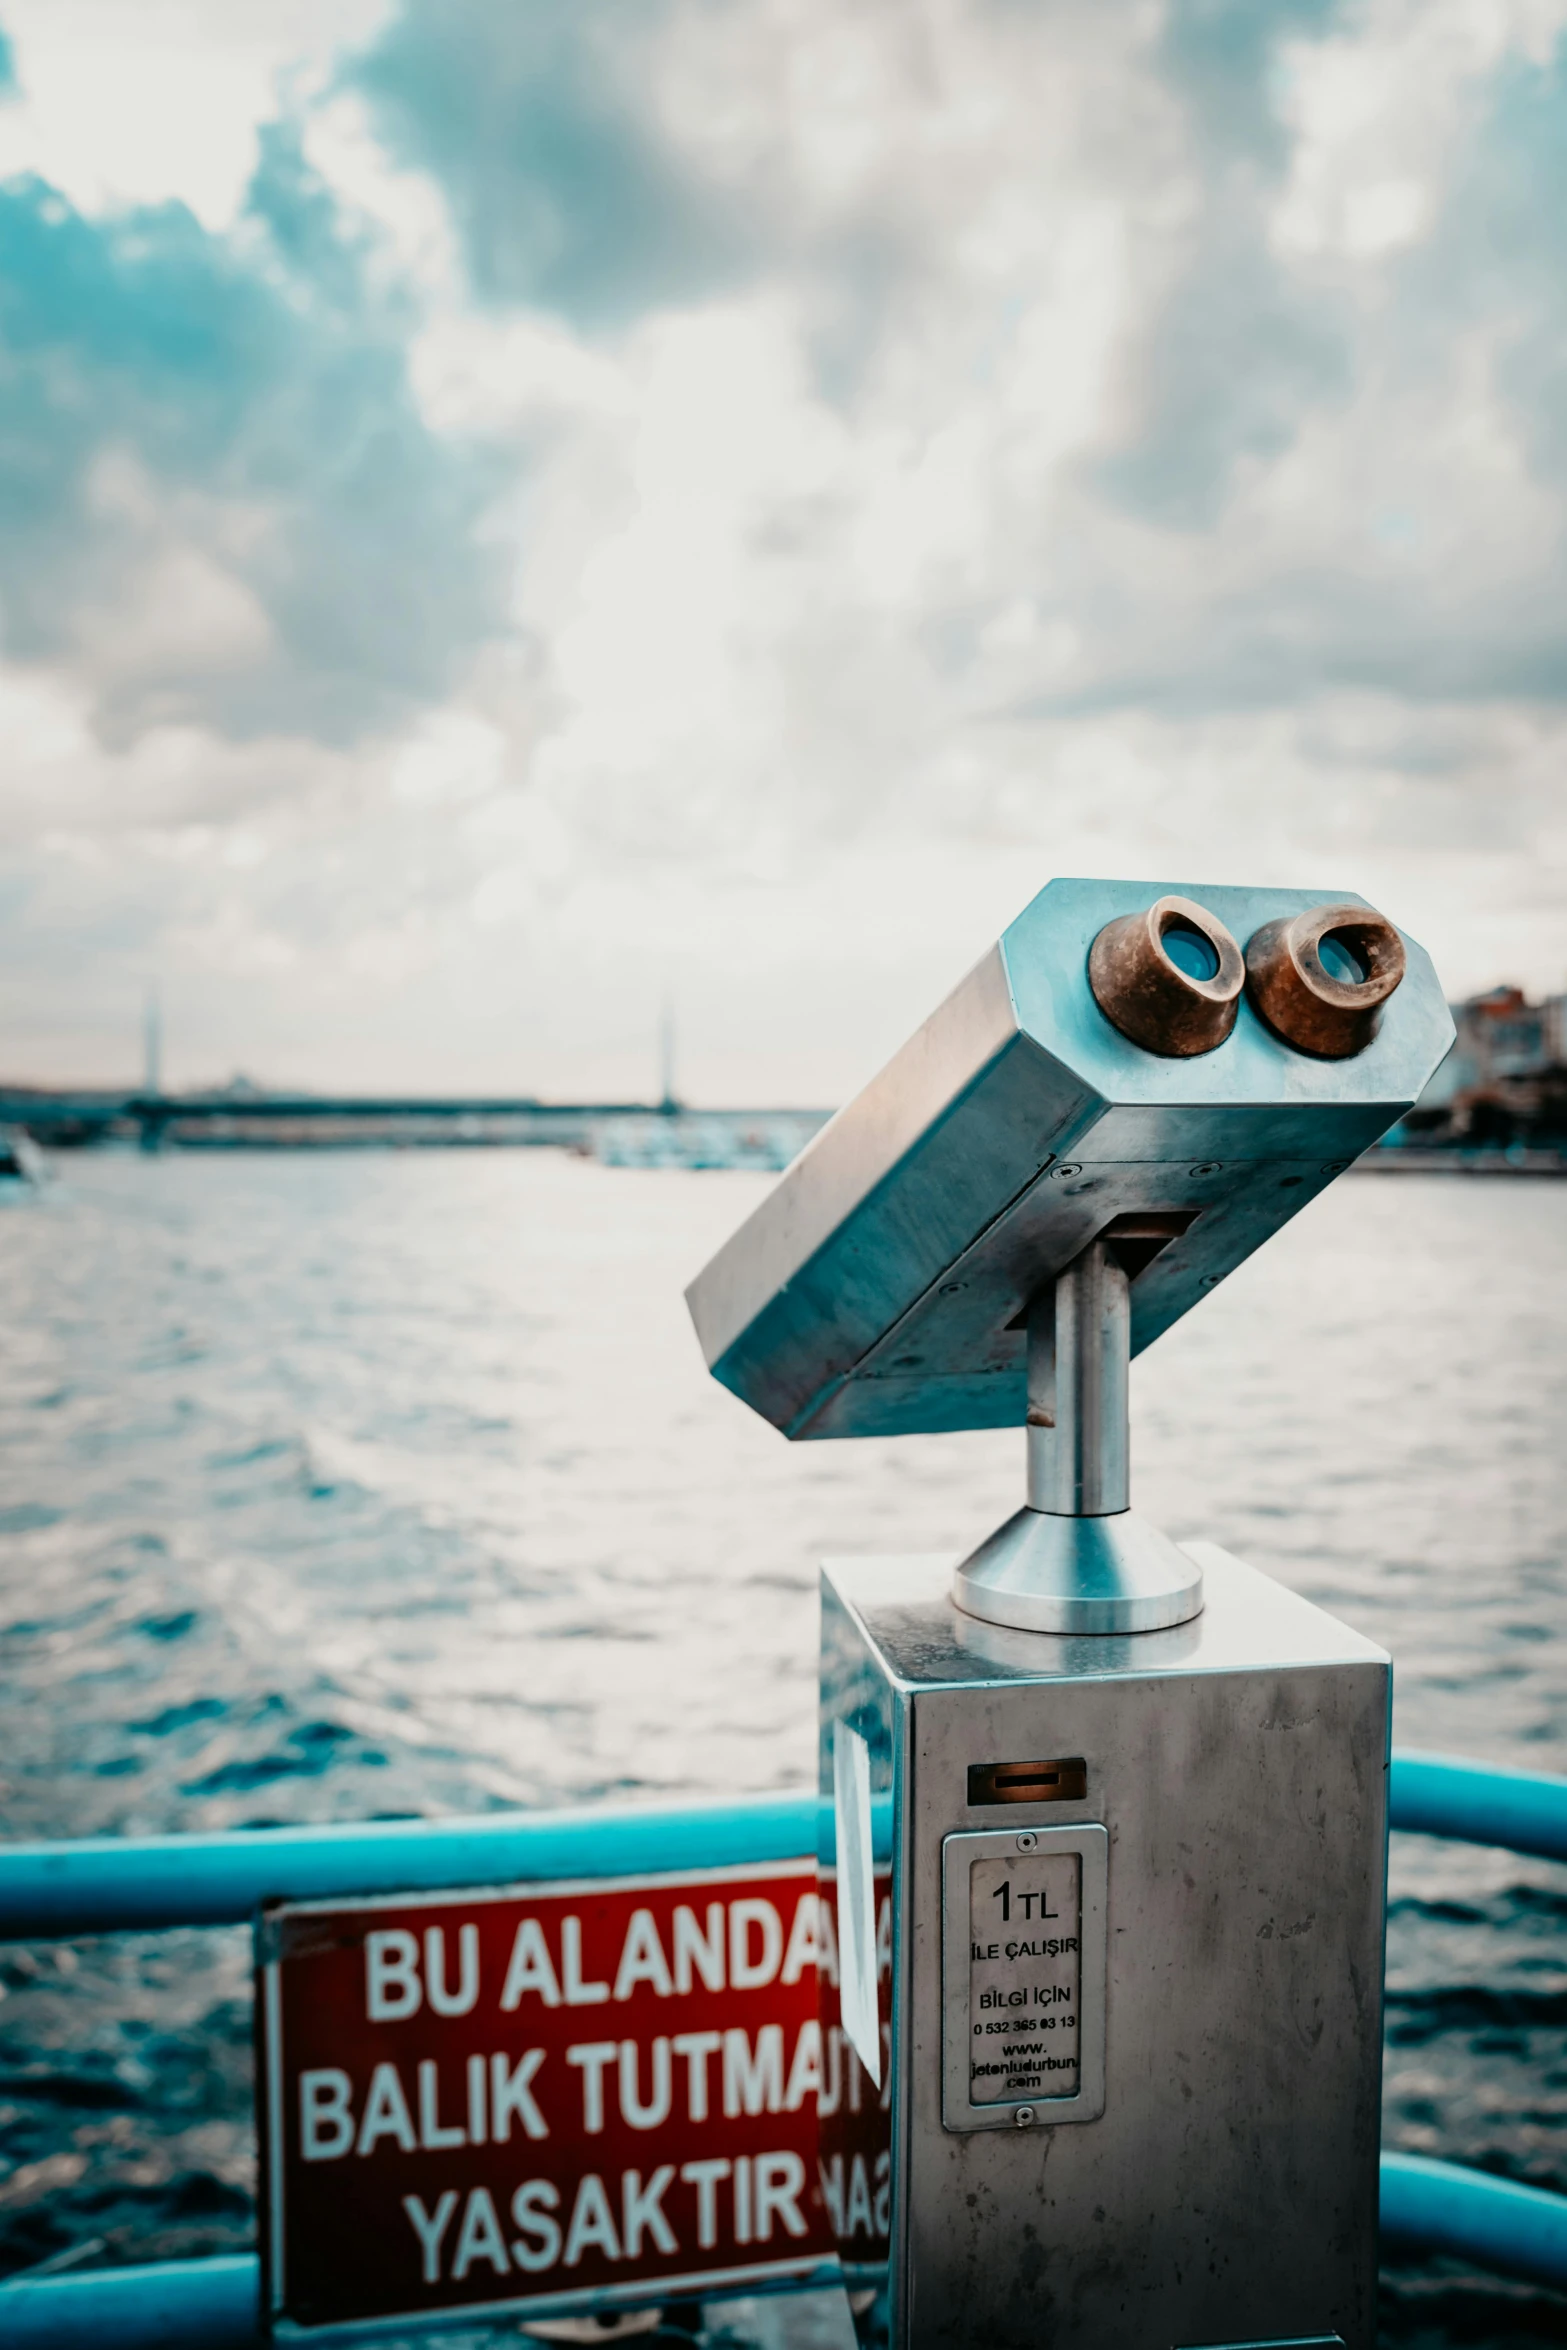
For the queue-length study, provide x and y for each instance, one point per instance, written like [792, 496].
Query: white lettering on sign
[531, 2208]
[531, 1968]
[482, 2100]
[739, 1946]
[646, 2114]
[498, 2092]
[619, 2219]
[758, 1919]
[433, 2134]
[492, 2092]
[578, 1993]
[804, 1940]
[642, 1960]
[696, 2048]
[386, 2112]
[326, 2122]
[854, 2209]
[480, 2238]
[642, 2208]
[591, 2057]
[392, 1985]
[1025, 1915]
[466, 1996]
[701, 1951]
[430, 2227]
[510, 2094]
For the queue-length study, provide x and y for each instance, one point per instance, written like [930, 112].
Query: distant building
[1505, 1079]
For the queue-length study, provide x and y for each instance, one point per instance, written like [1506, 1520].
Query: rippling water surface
[343, 1484]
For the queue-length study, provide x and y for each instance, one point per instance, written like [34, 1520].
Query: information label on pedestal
[1025, 1975]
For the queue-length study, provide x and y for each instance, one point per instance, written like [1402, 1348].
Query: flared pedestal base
[1042, 1573]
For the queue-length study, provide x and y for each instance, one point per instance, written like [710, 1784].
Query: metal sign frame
[794, 2272]
[1091, 1844]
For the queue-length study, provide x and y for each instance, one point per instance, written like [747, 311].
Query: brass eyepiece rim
[1144, 993]
[1304, 1002]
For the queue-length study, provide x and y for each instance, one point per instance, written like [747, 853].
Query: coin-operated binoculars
[1108, 1815]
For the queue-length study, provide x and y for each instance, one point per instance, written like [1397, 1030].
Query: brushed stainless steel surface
[1076, 1559]
[1237, 1763]
[880, 1288]
[960, 1931]
[1085, 1464]
[1046, 1573]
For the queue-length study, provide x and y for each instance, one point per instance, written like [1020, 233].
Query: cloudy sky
[513, 509]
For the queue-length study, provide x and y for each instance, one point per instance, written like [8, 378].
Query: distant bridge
[625, 1133]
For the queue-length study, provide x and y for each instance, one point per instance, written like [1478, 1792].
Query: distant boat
[23, 1167]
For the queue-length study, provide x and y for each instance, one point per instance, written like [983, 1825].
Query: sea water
[341, 1484]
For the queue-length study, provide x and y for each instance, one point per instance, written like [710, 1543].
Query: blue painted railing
[1479, 1803]
[109, 1884]
[1437, 2207]
[118, 1884]
[113, 1884]
[169, 2305]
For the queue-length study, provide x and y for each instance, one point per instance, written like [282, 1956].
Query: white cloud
[153, 101]
[1057, 482]
[1377, 108]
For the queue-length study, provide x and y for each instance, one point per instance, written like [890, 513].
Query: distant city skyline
[512, 516]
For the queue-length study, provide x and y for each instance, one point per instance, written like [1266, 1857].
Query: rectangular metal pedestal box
[1124, 1932]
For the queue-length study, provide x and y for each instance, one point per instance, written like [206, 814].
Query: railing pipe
[111, 1884]
[1479, 1803]
[116, 1884]
[1469, 2215]
[169, 2305]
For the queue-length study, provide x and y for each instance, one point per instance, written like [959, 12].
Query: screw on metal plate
[1023, 2117]
[1027, 1841]
[1207, 1167]
[1074, 1168]
[1209, 1281]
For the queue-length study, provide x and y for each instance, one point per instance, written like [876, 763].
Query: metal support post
[1077, 1558]
[1079, 1363]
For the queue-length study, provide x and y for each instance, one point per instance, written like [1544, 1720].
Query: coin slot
[1062, 1781]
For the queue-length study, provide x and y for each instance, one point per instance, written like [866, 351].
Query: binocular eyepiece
[1170, 977]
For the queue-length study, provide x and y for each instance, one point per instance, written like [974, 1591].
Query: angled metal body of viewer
[879, 1289]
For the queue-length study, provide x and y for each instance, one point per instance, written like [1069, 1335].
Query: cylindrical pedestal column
[1080, 1467]
[1078, 1558]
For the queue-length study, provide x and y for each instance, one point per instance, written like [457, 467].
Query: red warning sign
[545, 2096]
